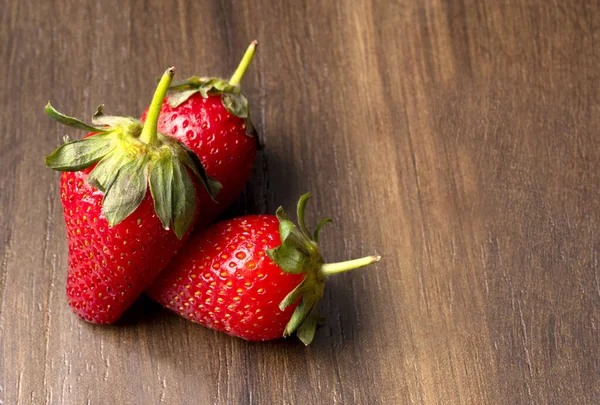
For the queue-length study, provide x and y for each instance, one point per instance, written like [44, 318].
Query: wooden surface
[458, 139]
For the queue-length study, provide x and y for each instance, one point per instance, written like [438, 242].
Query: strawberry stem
[241, 69]
[334, 268]
[149, 132]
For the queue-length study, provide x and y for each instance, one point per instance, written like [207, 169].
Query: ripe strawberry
[211, 117]
[119, 232]
[258, 277]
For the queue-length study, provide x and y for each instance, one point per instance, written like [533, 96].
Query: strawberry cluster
[139, 198]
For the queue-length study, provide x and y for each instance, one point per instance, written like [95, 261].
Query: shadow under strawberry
[143, 311]
[259, 193]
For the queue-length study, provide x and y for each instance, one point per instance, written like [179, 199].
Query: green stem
[334, 268]
[149, 132]
[241, 69]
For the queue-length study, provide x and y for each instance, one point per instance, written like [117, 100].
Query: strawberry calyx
[130, 156]
[234, 101]
[299, 253]
[232, 98]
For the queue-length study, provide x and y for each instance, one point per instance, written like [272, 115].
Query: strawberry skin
[109, 267]
[223, 279]
[219, 139]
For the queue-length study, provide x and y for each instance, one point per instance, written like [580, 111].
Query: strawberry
[211, 117]
[258, 277]
[124, 187]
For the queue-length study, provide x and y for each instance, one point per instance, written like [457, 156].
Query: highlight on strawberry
[211, 116]
[130, 197]
[258, 277]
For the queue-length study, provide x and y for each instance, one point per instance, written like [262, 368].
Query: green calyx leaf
[232, 97]
[69, 121]
[184, 199]
[74, 156]
[161, 187]
[320, 225]
[236, 104]
[106, 171]
[206, 86]
[306, 331]
[299, 253]
[126, 166]
[126, 191]
[193, 162]
[125, 124]
[173, 191]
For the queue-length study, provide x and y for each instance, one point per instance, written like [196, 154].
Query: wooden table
[457, 139]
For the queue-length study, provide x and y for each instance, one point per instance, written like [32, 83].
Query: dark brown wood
[457, 139]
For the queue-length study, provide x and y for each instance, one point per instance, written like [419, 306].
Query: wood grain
[458, 139]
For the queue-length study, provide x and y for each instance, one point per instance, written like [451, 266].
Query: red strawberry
[118, 230]
[258, 277]
[211, 117]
